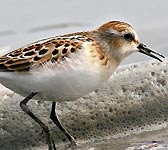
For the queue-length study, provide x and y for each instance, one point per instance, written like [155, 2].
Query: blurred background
[23, 22]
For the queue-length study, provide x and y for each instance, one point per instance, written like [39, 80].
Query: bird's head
[122, 40]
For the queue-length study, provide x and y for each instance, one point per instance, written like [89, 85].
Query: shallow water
[23, 22]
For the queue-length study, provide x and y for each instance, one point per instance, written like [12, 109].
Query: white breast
[69, 80]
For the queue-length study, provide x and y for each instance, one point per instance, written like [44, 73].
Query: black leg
[26, 109]
[56, 120]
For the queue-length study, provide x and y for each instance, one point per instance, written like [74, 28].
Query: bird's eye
[128, 36]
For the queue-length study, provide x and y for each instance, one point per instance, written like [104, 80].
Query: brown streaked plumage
[115, 25]
[55, 49]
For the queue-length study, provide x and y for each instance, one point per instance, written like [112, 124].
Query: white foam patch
[135, 98]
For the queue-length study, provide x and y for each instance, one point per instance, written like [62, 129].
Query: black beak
[145, 50]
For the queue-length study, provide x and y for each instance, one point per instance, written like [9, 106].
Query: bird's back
[59, 68]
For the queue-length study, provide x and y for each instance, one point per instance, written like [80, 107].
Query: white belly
[62, 82]
[57, 87]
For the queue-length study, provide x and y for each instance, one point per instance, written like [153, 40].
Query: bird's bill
[145, 50]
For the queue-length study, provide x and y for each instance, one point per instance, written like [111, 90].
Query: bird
[67, 67]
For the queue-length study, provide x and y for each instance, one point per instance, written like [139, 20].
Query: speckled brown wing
[55, 49]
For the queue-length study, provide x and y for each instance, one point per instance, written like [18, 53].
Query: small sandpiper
[67, 67]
